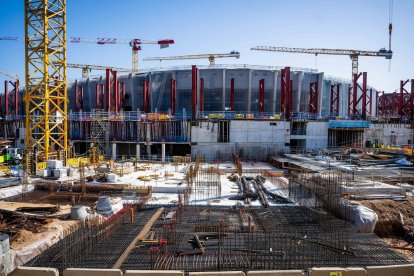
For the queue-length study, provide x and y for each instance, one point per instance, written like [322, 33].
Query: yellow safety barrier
[41, 165]
[4, 169]
[74, 162]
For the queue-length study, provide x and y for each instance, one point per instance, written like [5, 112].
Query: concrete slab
[91, 272]
[225, 273]
[276, 273]
[153, 273]
[394, 270]
[35, 271]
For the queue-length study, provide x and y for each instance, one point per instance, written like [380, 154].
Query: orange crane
[134, 43]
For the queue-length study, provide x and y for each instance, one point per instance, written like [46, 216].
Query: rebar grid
[284, 237]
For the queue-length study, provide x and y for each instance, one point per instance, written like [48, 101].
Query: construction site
[218, 169]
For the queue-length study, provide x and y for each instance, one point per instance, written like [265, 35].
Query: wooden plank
[142, 234]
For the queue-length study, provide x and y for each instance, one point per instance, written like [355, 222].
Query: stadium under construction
[201, 169]
[220, 109]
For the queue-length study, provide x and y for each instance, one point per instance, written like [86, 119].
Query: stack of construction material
[55, 169]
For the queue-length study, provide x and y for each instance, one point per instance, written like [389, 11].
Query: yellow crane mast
[46, 99]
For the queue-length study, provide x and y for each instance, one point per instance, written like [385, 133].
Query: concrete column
[149, 150]
[274, 98]
[163, 152]
[249, 91]
[320, 90]
[138, 151]
[224, 90]
[114, 151]
[299, 95]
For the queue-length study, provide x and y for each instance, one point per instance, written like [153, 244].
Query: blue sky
[203, 26]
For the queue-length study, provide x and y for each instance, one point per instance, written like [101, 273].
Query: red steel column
[290, 95]
[401, 99]
[202, 94]
[232, 94]
[313, 97]
[261, 95]
[334, 106]
[6, 97]
[354, 93]
[394, 99]
[121, 96]
[285, 92]
[412, 100]
[16, 98]
[145, 103]
[78, 98]
[172, 95]
[364, 95]
[370, 101]
[383, 111]
[99, 96]
[282, 91]
[115, 96]
[350, 105]
[376, 103]
[194, 90]
[108, 89]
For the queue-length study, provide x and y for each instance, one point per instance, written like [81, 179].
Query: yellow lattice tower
[46, 100]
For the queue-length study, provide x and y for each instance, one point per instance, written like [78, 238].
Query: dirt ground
[396, 218]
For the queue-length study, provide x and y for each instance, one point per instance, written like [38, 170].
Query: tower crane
[353, 54]
[15, 77]
[210, 57]
[134, 43]
[86, 68]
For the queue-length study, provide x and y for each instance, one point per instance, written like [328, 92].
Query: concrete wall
[316, 135]
[248, 138]
[393, 134]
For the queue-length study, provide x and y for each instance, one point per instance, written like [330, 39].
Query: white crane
[86, 68]
[353, 54]
[210, 57]
[14, 76]
[134, 43]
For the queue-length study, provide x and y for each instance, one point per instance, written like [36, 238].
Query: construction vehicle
[210, 57]
[8, 154]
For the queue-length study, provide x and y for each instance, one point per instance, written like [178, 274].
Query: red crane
[135, 44]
